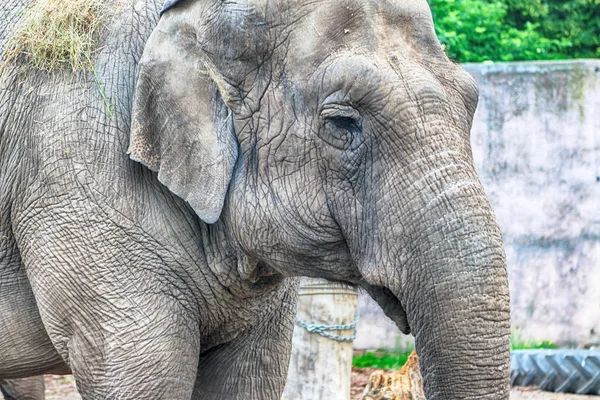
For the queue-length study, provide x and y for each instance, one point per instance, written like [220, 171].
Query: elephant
[31, 388]
[153, 251]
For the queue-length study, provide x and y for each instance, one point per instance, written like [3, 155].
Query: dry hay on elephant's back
[54, 34]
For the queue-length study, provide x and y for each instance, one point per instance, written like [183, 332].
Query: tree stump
[321, 367]
[406, 384]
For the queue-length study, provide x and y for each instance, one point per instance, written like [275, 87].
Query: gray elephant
[270, 139]
[31, 388]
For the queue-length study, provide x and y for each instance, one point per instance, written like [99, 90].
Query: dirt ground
[360, 377]
[63, 388]
[60, 387]
[533, 394]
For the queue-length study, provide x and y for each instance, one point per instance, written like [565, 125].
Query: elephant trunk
[446, 273]
[460, 313]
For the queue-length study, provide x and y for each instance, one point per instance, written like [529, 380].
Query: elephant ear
[181, 127]
[168, 4]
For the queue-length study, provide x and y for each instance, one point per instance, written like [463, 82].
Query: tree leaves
[511, 30]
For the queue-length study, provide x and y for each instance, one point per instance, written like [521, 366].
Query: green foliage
[517, 342]
[578, 21]
[395, 359]
[511, 30]
[526, 345]
[383, 359]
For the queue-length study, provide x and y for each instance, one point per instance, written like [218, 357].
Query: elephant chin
[390, 304]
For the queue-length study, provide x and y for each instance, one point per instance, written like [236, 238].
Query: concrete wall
[536, 144]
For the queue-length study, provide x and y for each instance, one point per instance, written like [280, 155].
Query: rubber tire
[573, 371]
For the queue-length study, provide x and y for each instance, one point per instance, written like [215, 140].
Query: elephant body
[253, 127]
[106, 264]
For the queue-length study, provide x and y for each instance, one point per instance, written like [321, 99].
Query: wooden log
[321, 367]
[406, 384]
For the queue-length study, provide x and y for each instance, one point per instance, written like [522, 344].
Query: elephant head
[332, 140]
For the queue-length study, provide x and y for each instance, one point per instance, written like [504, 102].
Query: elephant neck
[242, 274]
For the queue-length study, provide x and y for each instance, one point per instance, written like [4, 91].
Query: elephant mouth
[265, 276]
[390, 304]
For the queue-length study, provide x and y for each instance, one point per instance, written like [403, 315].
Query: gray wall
[536, 144]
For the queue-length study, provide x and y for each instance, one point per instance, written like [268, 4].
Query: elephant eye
[341, 126]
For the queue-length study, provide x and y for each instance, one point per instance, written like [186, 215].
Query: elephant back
[11, 13]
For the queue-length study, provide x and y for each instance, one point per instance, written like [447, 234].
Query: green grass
[384, 359]
[395, 359]
[544, 344]
[518, 343]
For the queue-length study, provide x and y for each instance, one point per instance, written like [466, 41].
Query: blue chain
[322, 329]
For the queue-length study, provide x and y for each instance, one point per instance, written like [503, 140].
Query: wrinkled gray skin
[31, 388]
[317, 138]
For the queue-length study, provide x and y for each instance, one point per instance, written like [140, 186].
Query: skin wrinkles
[426, 142]
[353, 163]
[60, 162]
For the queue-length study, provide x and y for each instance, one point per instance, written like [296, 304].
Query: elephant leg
[25, 348]
[125, 323]
[131, 346]
[31, 388]
[127, 360]
[254, 365]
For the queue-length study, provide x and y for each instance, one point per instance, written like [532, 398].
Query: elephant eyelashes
[341, 125]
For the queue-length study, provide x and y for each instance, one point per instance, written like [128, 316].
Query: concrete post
[321, 367]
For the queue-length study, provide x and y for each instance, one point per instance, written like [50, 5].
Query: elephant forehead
[306, 33]
[402, 28]
[339, 21]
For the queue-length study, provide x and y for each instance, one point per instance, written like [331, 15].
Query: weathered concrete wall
[536, 144]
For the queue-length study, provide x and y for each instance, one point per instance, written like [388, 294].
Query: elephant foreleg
[25, 348]
[254, 365]
[117, 313]
[23, 389]
[151, 354]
